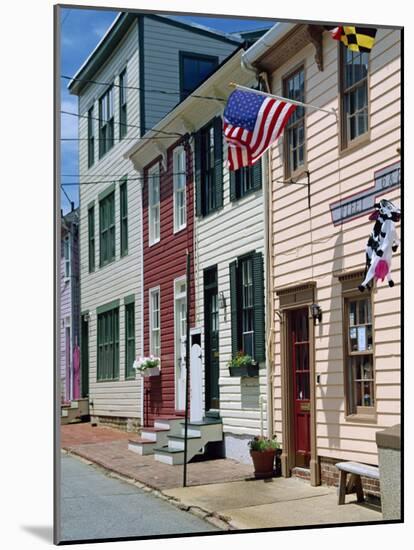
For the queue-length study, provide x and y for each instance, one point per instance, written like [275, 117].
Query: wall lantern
[222, 300]
[316, 313]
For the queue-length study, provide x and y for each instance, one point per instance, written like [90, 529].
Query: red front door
[299, 342]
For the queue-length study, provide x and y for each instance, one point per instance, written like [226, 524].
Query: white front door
[180, 315]
[196, 383]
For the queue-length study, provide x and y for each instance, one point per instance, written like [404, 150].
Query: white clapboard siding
[162, 44]
[297, 261]
[121, 398]
[216, 245]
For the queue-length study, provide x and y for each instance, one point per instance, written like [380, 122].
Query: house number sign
[360, 203]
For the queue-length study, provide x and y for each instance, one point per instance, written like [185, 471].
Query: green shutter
[129, 339]
[218, 161]
[197, 154]
[123, 207]
[259, 307]
[234, 308]
[232, 179]
[257, 175]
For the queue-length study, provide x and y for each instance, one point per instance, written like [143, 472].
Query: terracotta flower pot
[263, 462]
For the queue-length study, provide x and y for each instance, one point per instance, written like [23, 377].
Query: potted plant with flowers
[263, 452]
[243, 365]
[148, 366]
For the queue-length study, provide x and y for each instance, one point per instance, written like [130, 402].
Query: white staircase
[166, 440]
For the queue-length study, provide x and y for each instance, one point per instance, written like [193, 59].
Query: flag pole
[330, 112]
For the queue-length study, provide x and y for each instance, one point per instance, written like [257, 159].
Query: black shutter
[233, 190]
[257, 175]
[234, 303]
[259, 307]
[197, 155]
[218, 161]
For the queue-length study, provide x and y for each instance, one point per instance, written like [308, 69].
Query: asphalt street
[95, 506]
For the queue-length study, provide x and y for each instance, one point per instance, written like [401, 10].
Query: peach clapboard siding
[338, 249]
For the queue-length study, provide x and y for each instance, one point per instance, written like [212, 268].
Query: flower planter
[245, 370]
[152, 371]
[263, 462]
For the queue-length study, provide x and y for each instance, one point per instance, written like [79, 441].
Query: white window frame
[179, 164]
[153, 231]
[67, 262]
[152, 329]
[178, 295]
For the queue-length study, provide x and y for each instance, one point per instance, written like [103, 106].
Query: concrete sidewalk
[221, 491]
[279, 502]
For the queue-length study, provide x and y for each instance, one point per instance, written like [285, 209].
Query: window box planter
[152, 371]
[250, 370]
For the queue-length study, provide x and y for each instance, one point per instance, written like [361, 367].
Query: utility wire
[138, 178]
[67, 196]
[64, 19]
[146, 90]
[123, 139]
[121, 124]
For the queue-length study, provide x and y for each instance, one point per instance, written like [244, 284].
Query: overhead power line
[138, 178]
[122, 124]
[146, 90]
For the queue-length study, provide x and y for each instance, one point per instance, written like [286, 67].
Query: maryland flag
[357, 39]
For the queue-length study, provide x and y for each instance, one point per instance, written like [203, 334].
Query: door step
[142, 446]
[301, 473]
[74, 411]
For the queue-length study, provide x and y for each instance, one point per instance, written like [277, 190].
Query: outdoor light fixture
[316, 313]
[222, 300]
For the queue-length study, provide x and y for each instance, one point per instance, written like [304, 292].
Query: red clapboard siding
[164, 262]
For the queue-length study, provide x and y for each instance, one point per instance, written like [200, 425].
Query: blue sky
[81, 30]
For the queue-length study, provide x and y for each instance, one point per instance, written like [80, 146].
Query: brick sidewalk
[108, 448]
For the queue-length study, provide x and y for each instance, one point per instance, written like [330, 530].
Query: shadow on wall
[331, 403]
[250, 393]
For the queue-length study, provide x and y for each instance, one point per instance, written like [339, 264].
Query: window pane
[194, 70]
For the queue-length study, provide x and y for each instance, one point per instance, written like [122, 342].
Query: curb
[217, 520]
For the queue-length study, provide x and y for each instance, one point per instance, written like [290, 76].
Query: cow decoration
[382, 242]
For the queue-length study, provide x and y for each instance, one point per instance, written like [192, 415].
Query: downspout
[268, 264]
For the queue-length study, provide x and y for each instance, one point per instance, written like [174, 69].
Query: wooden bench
[354, 484]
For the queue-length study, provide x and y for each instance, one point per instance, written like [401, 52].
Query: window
[294, 143]
[194, 68]
[129, 340]
[179, 182]
[106, 122]
[209, 168]
[154, 204]
[155, 342]
[247, 306]
[108, 345]
[91, 137]
[66, 255]
[354, 94]
[107, 229]
[123, 128]
[123, 214]
[359, 355]
[91, 238]
[245, 180]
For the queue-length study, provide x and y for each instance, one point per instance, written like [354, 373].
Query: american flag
[252, 122]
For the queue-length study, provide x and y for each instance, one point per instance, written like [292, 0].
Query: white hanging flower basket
[152, 371]
[147, 366]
